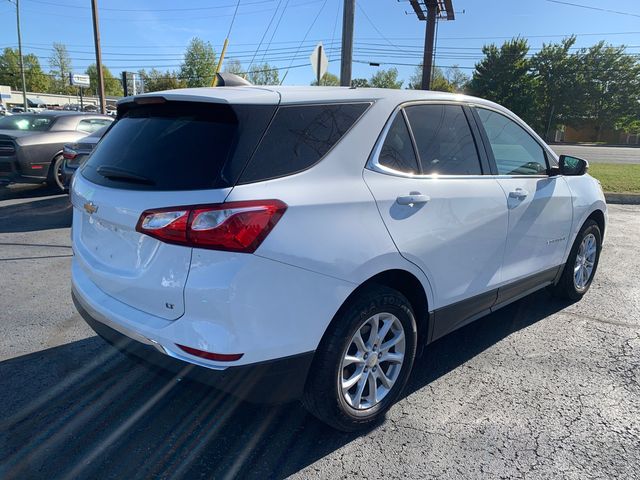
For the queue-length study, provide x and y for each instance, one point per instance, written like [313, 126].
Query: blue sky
[147, 33]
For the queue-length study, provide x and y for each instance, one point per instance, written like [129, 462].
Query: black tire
[323, 394]
[54, 178]
[566, 287]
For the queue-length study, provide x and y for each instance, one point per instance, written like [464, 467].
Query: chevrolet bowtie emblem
[90, 208]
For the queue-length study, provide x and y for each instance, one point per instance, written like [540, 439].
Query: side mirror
[573, 166]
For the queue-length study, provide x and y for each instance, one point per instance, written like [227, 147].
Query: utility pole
[348, 14]
[24, 81]
[96, 39]
[429, 35]
[435, 8]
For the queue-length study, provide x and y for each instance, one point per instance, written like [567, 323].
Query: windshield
[36, 123]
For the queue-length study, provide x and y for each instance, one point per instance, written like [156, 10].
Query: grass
[617, 177]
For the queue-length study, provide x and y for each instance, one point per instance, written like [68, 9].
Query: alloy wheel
[585, 261]
[372, 362]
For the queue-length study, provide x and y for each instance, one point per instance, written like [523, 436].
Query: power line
[265, 33]
[153, 10]
[306, 35]
[595, 8]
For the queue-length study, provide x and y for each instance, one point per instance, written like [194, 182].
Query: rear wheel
[364, 361]
[582, 263]
[55, 177]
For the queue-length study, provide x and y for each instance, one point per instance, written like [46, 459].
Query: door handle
[519, 194]
[414, 198]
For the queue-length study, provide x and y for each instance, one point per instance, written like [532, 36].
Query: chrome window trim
[374, 165]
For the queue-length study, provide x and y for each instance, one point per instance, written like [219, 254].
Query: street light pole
[24, 81]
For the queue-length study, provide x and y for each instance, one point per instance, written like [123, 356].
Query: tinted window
[36, 123]
[299, 137]
[397, 151]
[444, 140]
[515, 151]
[91, 125]
[179, 145]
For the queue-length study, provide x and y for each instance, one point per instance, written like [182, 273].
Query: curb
[623, 198]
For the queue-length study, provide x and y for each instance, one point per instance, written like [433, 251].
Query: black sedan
[75, 154]
[31, 144]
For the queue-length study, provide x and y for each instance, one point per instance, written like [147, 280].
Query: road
[541, 389]
[597, 154]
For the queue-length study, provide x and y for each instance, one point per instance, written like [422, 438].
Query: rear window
[178, 146]
[298, 137]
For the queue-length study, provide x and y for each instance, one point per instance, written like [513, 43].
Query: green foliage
[263, 74]
[59, 68]
[386, 79]
[457, 79]
[453, 81]
[597, 86]
[112, 85]
[556, 72]
[36, 79]
[234, 66]
[504, 76]
[609, 85]
[199, 64]
[360, 83]
[155, 80]
[328, 80]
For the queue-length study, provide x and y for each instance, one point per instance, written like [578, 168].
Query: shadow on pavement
[83, 410]
[27, 190]
[44, 214]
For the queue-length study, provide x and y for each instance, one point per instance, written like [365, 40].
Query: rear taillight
[233, 226]
[69, 153]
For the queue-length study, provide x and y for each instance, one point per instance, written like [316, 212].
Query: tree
[457, 78]
[454, 80]
[155, 80]
[263, 74]
[608, 84]
[328, 80]
[503, 76]
[234, 66]
[386, 79]
[112, 86]
[199, 64]
[556, 72]
[360, 83]
[36, 79]
[59, 68]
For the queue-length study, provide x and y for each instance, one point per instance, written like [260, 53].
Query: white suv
[305, 242]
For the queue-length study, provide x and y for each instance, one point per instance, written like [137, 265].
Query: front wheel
[364, 360]
[582, 263]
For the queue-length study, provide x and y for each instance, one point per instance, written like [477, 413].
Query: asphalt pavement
[600, 154]
[541, 389]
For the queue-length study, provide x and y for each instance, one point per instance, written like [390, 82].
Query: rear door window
[444, 140]
[397, 150]
[178, 146]
[298, 137]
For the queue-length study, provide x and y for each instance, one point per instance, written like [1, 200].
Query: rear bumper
[274, 381]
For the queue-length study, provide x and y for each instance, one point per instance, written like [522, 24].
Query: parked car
[291, 242]
[4, 111]
[17, 110]
[75, 154]
[31, 144]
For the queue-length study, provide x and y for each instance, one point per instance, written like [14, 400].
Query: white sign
[79, 80]
[319, 60]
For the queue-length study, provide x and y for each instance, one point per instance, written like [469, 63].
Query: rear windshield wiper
[115, 173]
